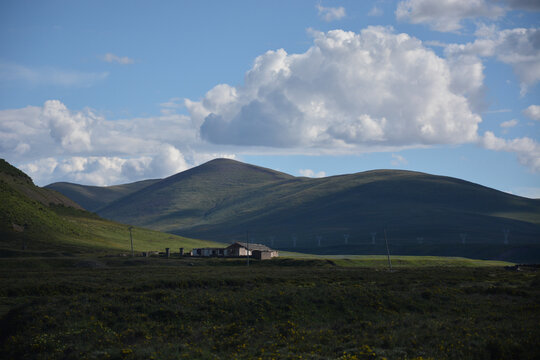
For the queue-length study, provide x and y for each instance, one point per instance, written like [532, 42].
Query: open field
[124, 308]
[396, 260]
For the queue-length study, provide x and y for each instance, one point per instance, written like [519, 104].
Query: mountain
[36, 221]
[93, 198]
[194, 196]
[421, 213]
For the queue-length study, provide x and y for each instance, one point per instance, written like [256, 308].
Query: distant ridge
[422, 213]
[93, 198]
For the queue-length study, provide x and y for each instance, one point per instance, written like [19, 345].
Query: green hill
[93, 198]
[422, 214]
[41, 220]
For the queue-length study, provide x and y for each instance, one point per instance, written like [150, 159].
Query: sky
[111, 92]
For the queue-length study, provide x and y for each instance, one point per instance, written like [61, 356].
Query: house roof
[252, 246]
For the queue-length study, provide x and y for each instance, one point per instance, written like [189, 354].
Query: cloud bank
[348, 90]
[52, 142]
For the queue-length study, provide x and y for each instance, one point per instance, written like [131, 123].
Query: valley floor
[123, 308]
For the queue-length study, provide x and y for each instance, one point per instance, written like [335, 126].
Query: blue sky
[108, 92]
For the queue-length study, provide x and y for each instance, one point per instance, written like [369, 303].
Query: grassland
[123, 308]
[381, 261]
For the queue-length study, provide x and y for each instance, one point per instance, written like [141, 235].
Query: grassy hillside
[93, 198]
[423, 214]
[193, 196]
[42, 220]
[14, 178]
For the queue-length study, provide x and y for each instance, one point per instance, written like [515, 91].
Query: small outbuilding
[255, 250]
[238, 249]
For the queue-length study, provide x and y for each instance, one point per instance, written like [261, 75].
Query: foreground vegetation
[124, 308]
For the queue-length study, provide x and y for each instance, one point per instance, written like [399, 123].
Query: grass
[119, 308]
[397, 260]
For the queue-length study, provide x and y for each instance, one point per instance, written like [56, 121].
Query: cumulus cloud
[72, 131]
[445, 15]
[532, 112]
[46, 76]
[526, 149]
[519, 48]
[330, 13]
[311, 173]
[112, 58]
[107, 170]
[54, 143]
[374, 88]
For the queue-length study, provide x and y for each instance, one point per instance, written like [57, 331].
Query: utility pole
[131, 239]
[373, 235]
[387, 251]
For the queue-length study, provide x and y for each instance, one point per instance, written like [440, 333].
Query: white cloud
[73, 131]
[54, 143]
[122, 60]
[398, 160]
[519, 48]
[330, 13]
[526, 149]
[311, 173]
[349, 90]
[509, 123]
[445, 15]
[532, 112]
[107, 170]
[46, 76]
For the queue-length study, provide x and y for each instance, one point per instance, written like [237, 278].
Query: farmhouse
[258, 251]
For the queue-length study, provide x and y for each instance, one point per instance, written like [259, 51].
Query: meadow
[112, 307]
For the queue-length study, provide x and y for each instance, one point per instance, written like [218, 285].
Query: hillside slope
[22, 183]
[192, 196]
[35, 220]
[421, 213]
[93, 198]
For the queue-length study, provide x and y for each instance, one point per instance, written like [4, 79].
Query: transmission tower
[506, 232]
